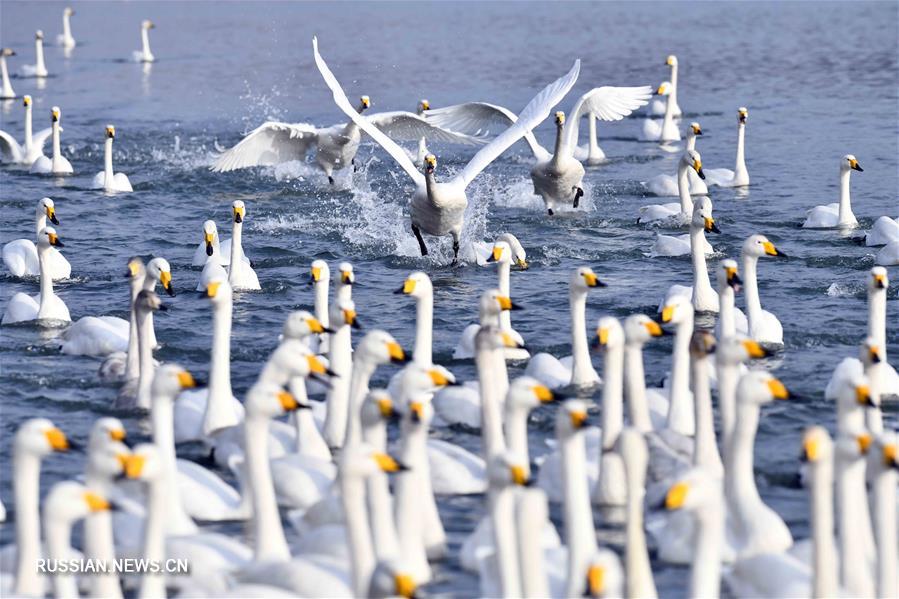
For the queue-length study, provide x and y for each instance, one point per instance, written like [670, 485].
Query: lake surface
[819, 81]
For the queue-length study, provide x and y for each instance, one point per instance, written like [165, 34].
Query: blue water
[819, 81]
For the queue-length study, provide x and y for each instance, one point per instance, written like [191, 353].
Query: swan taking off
[31, 148]
[21, 256]
[65, 39]
[439, 208]
[840, 214]
[106, 179]
[59, 164]
[7, 93]
[335, 146]
[144, 54]
[38, 69]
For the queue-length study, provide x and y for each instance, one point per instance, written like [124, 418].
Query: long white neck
[582, 372]
[145, 357]
[877, 319]
[824, 566]
[270, 544]
[424, 325]
[56, 151]
[362, 553]
[683, 188]
[107, 164]
[502, 513]
[580, 534]
[27, 470]
[680, 404]
[751, 291]
[236, 252]
[635, 388]
[739, 483]
[886, 532]
[672, 97]
[705, 572]
[873, 415]
[132, 362]
[321, 301]
[40, 221]
[343, 291]
[503, 274]
[39, 53]
[740, 172]
[162, 415]
[59, 535]
[491, 417]
[43, 254]
[705, 446]
[159, 490]
[691, 140]
[531, 514]
[557, 152]
[854, 528]
[380, 507]
[845, 215]
[338, 397]
[612, 396]
[701, 283]
[640, 582]
[218, 410]
[28, 136]
[668, 119]
[594, 152]
[363, 370]
[516, 429]
[98, 543]
[728, 377]
[408, 512]
[66, 27]
[145, 42]
[727, 323]
[7, 88]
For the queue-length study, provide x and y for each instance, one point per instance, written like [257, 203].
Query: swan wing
[533, 114]
[39, 139]
[390, 146]
[406, 126]
[9, 147]
[270, 143]
[480, 118]
[606, 103]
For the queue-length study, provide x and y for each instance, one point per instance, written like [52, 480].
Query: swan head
[695, 128]
[147, 24]
[501, 253]
[300, 324]
[418, 379]
[605, 576]
[759, 246]
[48, 237]
[218, 290]
[560, 118]
[696, 489]
[817, 446]
[159, 269]
[145, 463]
[693, 160]
[68, 501]
[671, 61]
[702, 216]
[855, 391]
[879, 279]
[270, 400]
[849, 162]
[742, 114]
[7, 52]
[518, 253]
[106, 430]
[39, 35]
[319, 272]
[885, 450]
[640, 328]
[110, 131]
[389, 580]
[40, 437]
[677, 309]
[418, 409]
[583, 279]
[423, 105]
[734, 350]
[508, 469]
[345, 274]
[760, 387]
[430, 163]
[107, 452]
[238, 210]
[852, 446]
[363, 461]
[664, 88]
[610, 333]
[26, 101]
[417, 285]
[170, 380]
[364, 103]
[68, 11]
[47, 208]
[381, 348]
[147, 301]
[571, 418]
[377, 408]
[869, 352]
[136, 269]
[293, 358]
[728, 275]
[490, 338]
[528, 393]
[55, 114]
[343, 313]
[210, 233]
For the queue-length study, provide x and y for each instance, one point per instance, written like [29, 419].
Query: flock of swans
[359, 498]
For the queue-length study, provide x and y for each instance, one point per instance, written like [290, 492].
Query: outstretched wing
[9, 147]
[532, 115]
[481, 119]
[40, 138]
[406, 126]
[270, 143]
[343, 103]
[607, 104]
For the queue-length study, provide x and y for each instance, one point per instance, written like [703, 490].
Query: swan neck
[27, 470]
[58, 536]
[145, 358]
[751, 288]
[236, 252]
[162, 417]
[582, 372]
[701, 283]
[740, 164]
[491, 418]
[361, 375]
[43, 254]
[728, 376]
[853, 525]
[270, 544]
[877, 318]
[220, 392]
[7, 88]
[505, 288]
[845, 212]
[338, 396]
[727, 323]
[580, 534]
[383, 527]
[683, 188]
[424, 327]
[886, 531]
[742, 493]
[635, 388]
[40, 221]
[612, 396]
[158, 490]
[705, 446]
[145, 42]
[705, 572]
[640, 582]
[824, 564]
[502, 512]
[28, 126]
[39, 53]
[132, 360]
[673, 94]
[66, 27]
[517, 431]
[557, 153]
[107, 162]
[591, 129]
[56, 151]
[362, 553]
[680, 407]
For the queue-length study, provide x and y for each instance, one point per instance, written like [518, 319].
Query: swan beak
[853, 164]
[733, 279]
[425, 105]
[385, 407]
[544, 394]
[506, 303]
[118, 434]
[288, 402]
[602, 336]
[697, 166]
[596, 580]
[316, 274]
[314, 325]
[811, 450]
[508, 341]
[57, 440]
[667, 313]
[754, 350]
[96, 503]
[186, 380]
[349, 317]
[519, 475]
[430, 163]
[51, 214]
[654, 329]
[26, 101]
[110, 132]
[396, 353]
[592, 280]
[578, 419]
[151, 25]
[315, 365]
[773, 251]
[777, 389]
[54, 116]
[874, 355]
[864, 442]
[660, 91]
[238, 215]
[697, 130]
[676, 496]
[496, 254]
[166, 279]
[880, 281]
[439, 378]
[560, 118]
[135, 466]
[522, 264]
[404, 585]
[346, 277]
[863, 396]
[890, 456]
[407, 289]
[415, 411]
[366, 102]
[388, 463]
[711, 226]
[54, 240]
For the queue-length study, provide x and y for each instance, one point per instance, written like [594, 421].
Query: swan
[665, 130]
[705, 445]
[888, 255]
[21, 257]
[33, 145]
[638, 573]
[830, 216]
[210, 247]
[731, 319]
[490, 306]
[7, 93]
[739, 177]
[646, 408]
[144, 54]
[658, 106]
[57, 164]
[505, 475]
[731, 355]
[124, 366]
[883, 464]
[557, 176]
[106, 179]
[611, 488]
[320, 279]
[241, 275]
[65, 39]
[884, 231]
[677, 211]
[701, 294]
[764, 326]
[45, 305]
[336, 146]
[507, 249]
[418, 286]
[678, 311]
[555, 373]
[666, 185]
[438, 208]
[340, 361]
[38, 69]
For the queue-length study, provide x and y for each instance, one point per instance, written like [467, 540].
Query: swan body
[20, 255]
[665, 130]
[739, 177]
[764, 326]
[144, 54]
[38, 69]
[682, 211]
[658, 106]
[438, 208]
[666, 185]
[33, 145]
[840, 214]
[57, 164]
[65, 39]
[241, 275]
[45, 305]
[884, 231]
[107, 179]
[702, 295]
[676, 245]
[888, 255]
[96, 336]
[7, 92]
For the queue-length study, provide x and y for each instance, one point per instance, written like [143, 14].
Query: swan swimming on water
[33, 146]
[58, 164]
[666, 185]
[144, 54]
[107, 179]
[739, 177]
[38, 69]
[45, 305]
[839, 214]
[7, 93]
[20, 255]
[65, 39]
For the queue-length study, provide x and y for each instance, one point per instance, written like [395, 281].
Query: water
[818, 79]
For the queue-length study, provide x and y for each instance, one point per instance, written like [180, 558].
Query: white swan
[611, 487]
[340, 361]
[680, 211]
[33, 145]
[665, 130]
[739, 177]
[764, 326]
[65, 39]
[20, 255]
[702, 295]
[666, 185]
[839, 214]
[241, 275]
[38, 69]
[731, 354]
[7, 93]
[320, 279]
[646, 408]
[106, 179]
[556, 176]
[439, 208]
[578, 369]
[45, 305]
[884, 231]
[144, 54]
[883, 464]
[490, 306]
[507, 249]
[658, 106]
[634, 452]
[57, 164]
[888, 255]
[210, 247]
[731, 320]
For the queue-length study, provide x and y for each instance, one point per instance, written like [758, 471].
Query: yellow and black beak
[874, 354]
[711, 226]
[110, 132]
[407, 288]
[697, 130]
[54, 116]
[880, 281]
[315, 274]
[863, 396]
[288, 402]
[118, 434]
[519, 475]
[416, 411]
[51, 214]
[346, 277]
[596, 580]
[349, 317]
[754, 349]
[661, 90]
[96, 503]
[777, 389]
[186, 380]
[733, 279]
[396, 353]
[366, 102]
[26, 101]
[560, 118]
[238, 214]
[209, 238]
[742, 116]
[891, 456]
[134, 466]
[578, 419]
[522, 263]
[430, 163]
[544, 394]
[864, 443]
[388, 463]
[404, 586]
[496, 254]
[676, 496]
[654, 329]
[773, 251]
[811, 450]
[213, 288]
[506, 303]
[668, 313]
[854, 165]
[385, 407]
[54, 240]
[57, 439]
[697, 166]
[592, 280]
[165, 278]
[425, 105]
